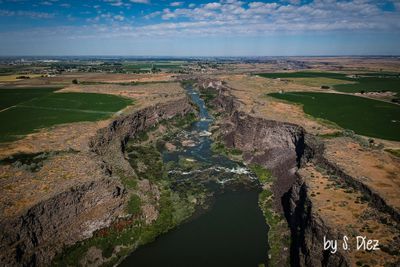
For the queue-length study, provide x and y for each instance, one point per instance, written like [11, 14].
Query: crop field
[371, 84]
[12, 96]
[368, 82]
[29, 113]
[15, 77]
[364, 116]
[149, 65]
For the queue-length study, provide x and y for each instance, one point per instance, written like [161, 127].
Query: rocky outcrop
[274, 145]
[282, 148]
[36, 236]
[307, 230]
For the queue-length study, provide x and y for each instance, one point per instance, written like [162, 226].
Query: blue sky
[200, 27]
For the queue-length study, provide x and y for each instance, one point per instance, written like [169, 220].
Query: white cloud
[175, 4]
[46, 3]
[236, 18]
[30, 14]
[119, 17]
[140, 1]
[212, 5]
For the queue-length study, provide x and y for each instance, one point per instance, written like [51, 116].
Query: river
[232, 231]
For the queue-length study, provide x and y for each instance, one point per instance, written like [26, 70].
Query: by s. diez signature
[361, 242]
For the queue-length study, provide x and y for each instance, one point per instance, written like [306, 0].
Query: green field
[142, 66]
[12, 96]
[48, 109]
[304, 74]
[371, 84]
[364, 116]
[368, 82]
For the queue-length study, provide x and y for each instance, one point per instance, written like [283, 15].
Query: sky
[199, 27]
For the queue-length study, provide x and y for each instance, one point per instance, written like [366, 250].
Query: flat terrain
[364, 116]
[68, 161]
[12, 96]
[350, 83]
[32, 110]
[347, 212]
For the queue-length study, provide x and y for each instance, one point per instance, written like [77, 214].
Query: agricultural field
[147, 66]
[364, 116]
[12, 96]
[17, 77]
[27, 110]
[368, 82]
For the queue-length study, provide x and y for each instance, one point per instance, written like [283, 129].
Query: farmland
[12, 96]
[147, 66]
[368, 82]
[32, 109]
[364, 116]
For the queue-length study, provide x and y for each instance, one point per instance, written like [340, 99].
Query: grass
[127, 235]
[13, 96]
[134, 205]
[263, 175]
[45, 109]
[146, 161]
[371, 84]
[364, 116]
[304, 74]
[320, 81]
[278, 234]
[149, 66]
[394, 152]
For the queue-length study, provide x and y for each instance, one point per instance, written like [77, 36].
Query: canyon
[306, 180]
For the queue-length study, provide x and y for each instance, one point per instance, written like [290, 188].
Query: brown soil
[344, 211]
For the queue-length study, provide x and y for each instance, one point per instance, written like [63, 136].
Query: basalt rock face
[282, 148]
[274, 145]
[109, 142]
[36, 236]
[278, 146]
[308, 230]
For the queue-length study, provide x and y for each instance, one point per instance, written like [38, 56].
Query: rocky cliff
[282, 148]
[34, 237]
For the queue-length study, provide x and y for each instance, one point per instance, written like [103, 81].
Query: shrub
[134, 204]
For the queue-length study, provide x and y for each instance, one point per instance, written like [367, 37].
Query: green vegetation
[371, 84]
[394, 152]
[181, 121]
[143, 67]
[44, 109]
[134, 204]
[133, 83]
[365, 116]
[331, 135]
[278, 233]
[219, 148]
[208, 95]
[12, 96]
[303, 74]
[128, 234]
[263, 175]
[146, 161]
[368, 82]
[174, 207]
[32, 162]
